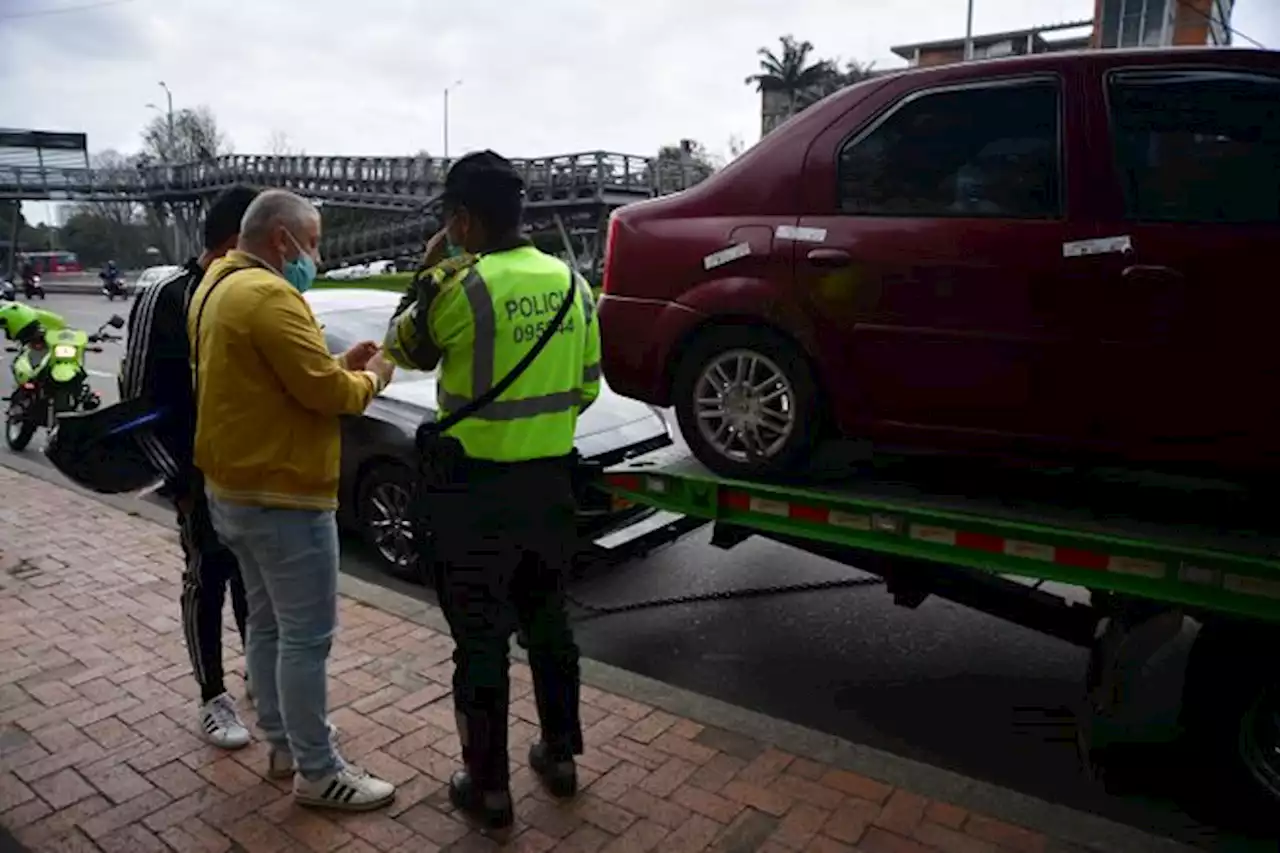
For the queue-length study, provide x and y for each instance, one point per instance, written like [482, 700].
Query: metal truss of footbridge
[376, 207]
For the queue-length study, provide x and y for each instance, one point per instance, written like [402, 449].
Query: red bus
[47, 263]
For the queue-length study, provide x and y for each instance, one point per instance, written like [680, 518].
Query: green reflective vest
[483, 313]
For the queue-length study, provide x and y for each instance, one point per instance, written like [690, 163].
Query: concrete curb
[1065, 827]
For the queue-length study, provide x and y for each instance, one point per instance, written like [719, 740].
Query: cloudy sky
[539, 76]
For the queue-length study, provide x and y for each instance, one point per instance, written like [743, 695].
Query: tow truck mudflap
[647, 533]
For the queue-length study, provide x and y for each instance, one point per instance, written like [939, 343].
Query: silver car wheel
[391, 524]
[745, 405]
[1260, 740]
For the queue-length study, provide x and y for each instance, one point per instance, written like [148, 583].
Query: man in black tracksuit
[157, 367]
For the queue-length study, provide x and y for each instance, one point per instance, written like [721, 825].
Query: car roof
[328, 299]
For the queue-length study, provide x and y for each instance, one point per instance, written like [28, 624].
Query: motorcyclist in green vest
[502, 513]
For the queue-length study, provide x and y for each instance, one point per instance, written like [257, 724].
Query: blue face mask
[301, 271]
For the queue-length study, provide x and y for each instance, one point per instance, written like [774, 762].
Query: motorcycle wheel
[18, 432]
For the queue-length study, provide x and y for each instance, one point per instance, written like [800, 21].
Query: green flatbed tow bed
[1151, 550]
[1194, 544]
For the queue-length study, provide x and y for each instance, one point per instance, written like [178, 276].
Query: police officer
[502, 514]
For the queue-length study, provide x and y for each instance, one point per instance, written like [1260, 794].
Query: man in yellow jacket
[268, 400]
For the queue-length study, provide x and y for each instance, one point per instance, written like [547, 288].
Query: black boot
[559, 775]
[491, 810]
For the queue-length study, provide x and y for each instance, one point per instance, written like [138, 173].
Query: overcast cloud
[540, 76]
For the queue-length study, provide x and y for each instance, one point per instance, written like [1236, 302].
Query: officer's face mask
[456, 232]
[301, 271]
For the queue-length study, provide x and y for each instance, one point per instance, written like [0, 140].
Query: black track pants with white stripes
[211, 568]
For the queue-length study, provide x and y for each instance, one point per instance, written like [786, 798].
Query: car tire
[384, 512]
[790, 435]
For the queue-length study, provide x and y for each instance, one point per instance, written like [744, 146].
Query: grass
[396, 281]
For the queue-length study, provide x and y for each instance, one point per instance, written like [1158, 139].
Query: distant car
[153, 275]
[378, 454]
[1054, 255]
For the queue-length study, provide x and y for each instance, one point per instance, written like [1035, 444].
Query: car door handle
[1152, 273]
[828, 257]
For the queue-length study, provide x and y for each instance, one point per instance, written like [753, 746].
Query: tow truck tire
[1231, 713]
[775, 350]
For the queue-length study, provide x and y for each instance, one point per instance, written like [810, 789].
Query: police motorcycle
[48, 369]
[31, 286]
[113, 284]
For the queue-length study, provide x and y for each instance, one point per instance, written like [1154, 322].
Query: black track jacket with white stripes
[157, 367]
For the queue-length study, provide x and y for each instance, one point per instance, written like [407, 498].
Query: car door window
[1199, 147]
[989, 150]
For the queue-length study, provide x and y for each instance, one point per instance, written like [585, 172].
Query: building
[1072, 35]
[1115, 23]
[1161, 23]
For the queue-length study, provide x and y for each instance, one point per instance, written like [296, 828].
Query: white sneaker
[280, 761]
[220, 725]
[349, 789]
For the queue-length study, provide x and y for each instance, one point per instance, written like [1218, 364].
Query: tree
[279, 144]
[736, 146]
[790, 71]
[107, 166]
[683, 165]
[195, 137]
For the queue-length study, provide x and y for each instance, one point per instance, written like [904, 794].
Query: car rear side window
[980, 151]
[1197, 146]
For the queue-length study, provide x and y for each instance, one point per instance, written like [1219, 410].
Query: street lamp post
[168, 159]
[455, 84]
[968, 34]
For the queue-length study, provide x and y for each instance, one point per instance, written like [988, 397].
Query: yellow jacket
[268, 392]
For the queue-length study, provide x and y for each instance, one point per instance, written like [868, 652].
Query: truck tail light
[610, 245]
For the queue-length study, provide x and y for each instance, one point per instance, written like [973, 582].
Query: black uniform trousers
[503, 539]
[210, 569]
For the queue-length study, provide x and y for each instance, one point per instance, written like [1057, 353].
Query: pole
[968, 34]
[455, 84]
[173, 212]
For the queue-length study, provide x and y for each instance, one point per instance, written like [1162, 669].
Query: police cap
[481, 181]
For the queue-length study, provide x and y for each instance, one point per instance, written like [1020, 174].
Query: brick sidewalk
[98, 753]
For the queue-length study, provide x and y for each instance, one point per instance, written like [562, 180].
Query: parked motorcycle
[50, 378]
[114, 286]
[31, 286]
[8, 293]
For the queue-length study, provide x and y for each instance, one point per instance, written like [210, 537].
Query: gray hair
[272, 208]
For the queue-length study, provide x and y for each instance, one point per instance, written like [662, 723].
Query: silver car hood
[611, 423]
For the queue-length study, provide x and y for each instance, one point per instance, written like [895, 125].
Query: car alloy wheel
[1259, 741]
[744, 405]
[390, 521]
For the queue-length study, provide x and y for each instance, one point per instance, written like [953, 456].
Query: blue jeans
[289, 562]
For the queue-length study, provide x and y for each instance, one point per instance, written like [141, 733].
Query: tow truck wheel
[747, 402]
[384, 507]
[1231, 710]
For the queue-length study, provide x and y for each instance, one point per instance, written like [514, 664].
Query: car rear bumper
[637, 337]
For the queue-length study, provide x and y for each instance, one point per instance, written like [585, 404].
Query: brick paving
[98, 752]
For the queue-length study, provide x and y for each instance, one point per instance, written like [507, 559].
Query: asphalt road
[941, 684]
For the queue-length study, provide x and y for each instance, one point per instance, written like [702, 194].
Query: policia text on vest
[534, 312]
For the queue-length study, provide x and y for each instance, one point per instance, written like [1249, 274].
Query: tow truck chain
[595, 611]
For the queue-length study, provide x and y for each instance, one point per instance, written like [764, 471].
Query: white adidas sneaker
[220, 723]
[280, 761]
[348, 789]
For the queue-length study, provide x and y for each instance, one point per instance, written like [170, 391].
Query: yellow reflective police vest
[484, 313]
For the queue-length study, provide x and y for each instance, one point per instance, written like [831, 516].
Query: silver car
[378, 447]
